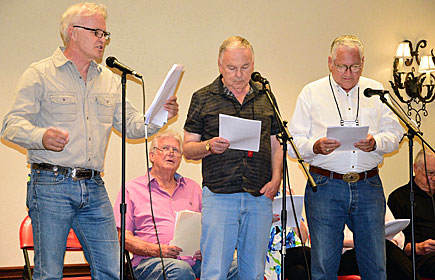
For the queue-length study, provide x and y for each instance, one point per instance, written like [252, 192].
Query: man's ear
[71, 32]
[151, 156]
[330, 63]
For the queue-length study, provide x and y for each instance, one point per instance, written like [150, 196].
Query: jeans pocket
[48, 178]
[98, 180]
[375, 181]
[319, 179]
[267, 199]
[206, 192]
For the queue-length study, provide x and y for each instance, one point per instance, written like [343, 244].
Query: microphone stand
[412, 131]
[123, 206]
[284, 138]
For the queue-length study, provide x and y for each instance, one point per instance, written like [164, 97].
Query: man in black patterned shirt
[238, 186]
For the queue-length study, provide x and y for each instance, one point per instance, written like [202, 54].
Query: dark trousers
[295, 265]
[425, 265]
[399, 267]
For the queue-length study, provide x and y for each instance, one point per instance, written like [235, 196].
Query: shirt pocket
[64, 107]
[105, 107]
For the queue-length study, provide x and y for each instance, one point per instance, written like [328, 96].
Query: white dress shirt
[316, 110]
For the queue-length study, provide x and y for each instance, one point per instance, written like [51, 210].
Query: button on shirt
[316, 110]
[186, 196]
[52, 93]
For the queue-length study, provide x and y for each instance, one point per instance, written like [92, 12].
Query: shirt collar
[60, 59]
[230, 93]
[178, 178]
[340, 89]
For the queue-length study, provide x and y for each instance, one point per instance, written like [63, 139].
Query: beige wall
[291, 41]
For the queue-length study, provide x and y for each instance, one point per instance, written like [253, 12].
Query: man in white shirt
[349, 188]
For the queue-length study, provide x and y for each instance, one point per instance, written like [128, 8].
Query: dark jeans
[399, 267]
[361, 206]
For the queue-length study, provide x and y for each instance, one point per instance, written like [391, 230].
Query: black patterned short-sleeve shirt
[234, 170]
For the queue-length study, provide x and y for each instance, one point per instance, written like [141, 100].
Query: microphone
[368, 92]
[256, 77]
[112, 62]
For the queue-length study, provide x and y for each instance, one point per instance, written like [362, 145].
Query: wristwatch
[207, 146]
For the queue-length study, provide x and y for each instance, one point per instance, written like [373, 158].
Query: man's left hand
[197, 255]
[366, 145]
[171, 106]
[270, 189]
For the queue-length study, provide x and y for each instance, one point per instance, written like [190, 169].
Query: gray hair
[419, 158]
[165, 134]
[234, 42]
[74, 13]
[349, 41]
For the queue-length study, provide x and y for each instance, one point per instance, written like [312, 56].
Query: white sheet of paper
[277, 207]
[156, 114]
[243, 134]
[187, 232]
[394, 227]
[347, 136]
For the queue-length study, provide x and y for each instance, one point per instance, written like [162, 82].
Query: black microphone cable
[427, 178]
[308, 268]
[149, 180]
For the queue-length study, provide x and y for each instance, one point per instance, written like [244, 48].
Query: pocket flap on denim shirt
[106, 100]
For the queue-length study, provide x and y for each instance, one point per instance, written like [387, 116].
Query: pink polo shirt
[187, 196]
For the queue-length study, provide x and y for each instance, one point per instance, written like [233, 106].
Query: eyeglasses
[430, 173]
[343, 68]
[169, 149]
[99, 33]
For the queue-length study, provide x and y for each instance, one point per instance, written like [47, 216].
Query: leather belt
[351, 177]
[76, 174]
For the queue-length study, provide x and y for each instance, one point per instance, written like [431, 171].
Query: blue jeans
[175, 269]
[361, 206]
[57, 203]
[230, 221]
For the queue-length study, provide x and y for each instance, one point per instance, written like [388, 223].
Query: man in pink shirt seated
[170, 192]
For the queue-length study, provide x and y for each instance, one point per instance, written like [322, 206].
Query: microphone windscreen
[110, 61]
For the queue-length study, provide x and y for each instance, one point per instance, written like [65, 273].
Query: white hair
[234, 42]
[349, 41]
[419, 158]
[166, 134]
[74, 13]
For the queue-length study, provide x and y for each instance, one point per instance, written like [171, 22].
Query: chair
[26, 243]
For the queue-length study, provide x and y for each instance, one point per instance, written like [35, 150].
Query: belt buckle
[78, 174]
[351, 177]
